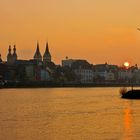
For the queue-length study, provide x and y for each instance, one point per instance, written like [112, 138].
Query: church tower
[14, 54]
[9, 56]
[47, 55]
[37, 55]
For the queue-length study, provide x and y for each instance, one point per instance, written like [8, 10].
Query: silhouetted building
[9, 55]
[14, 54]
[68, 62]
[2, 70]
[11, 58]
[44, 69]
[83, 70]
[47, 55]
[10, 72]
[37, 55]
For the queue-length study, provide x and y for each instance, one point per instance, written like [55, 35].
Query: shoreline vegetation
[61, 85]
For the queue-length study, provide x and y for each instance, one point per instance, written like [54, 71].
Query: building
[26, 70]
[45, 75]
[11, 58]
[110, 76]
[68, 62]
[14, 54]
[2, 71]
[47, 55]
[130, 75]
[100, 71]
[83, 71]
[9, 55]
[29, 70]
[45, 67]
[81, 68]
[105, 73]
[37, 55]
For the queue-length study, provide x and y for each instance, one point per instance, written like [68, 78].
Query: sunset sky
[97, 30]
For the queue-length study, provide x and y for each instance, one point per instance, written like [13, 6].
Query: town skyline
[12, 46]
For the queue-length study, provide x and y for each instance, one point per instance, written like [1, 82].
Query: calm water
[68, 114]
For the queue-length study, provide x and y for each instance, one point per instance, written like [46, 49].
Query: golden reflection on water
[128, 122]
[68, 114]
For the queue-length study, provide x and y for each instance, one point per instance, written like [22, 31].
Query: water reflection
[128, 122]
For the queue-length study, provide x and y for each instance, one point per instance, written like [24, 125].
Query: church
[39, 68]
[11, 57]
[46, 58]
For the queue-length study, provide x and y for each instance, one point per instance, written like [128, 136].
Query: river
[68, 114]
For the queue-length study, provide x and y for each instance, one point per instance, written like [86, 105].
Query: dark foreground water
[68, 114]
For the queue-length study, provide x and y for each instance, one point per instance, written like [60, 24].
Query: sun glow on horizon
[126, 64]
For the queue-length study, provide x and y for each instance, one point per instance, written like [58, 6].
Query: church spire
[37, 55]
[9, 50]
[9, 55]
[14, 54]
[14, 49]
[38, 51]
[47, 50]
[47, 55]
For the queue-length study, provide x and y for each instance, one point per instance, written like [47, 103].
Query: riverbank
[61, 85]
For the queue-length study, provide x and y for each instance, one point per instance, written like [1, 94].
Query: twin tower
[12, 57]
[46, 56]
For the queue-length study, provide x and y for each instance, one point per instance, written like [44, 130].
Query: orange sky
[97, 30]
